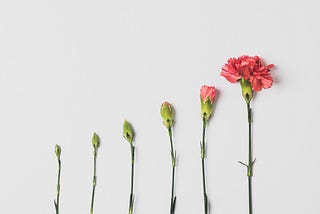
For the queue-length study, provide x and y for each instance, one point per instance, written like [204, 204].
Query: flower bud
[167, 114]
[57, 150]
[128, 133]
[95, 141]
[207, 97]
[247, 93]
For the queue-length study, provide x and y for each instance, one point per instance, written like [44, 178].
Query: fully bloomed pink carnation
[251, 69]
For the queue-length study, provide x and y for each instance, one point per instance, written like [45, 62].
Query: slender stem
[132, 178]
[94, 179]
[250, 194]
[173, 159]
[58, 187]
[250, 163]
[172, 204]
[203, 154]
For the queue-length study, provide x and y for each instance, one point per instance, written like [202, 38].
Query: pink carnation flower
[249, 68]
[207, 96]
[207, 92]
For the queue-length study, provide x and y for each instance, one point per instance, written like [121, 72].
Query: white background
[72, 67]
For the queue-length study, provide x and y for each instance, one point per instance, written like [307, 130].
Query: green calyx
[95, 141]
[167, 114]
[128, 133]
[57, 150]
[206, 108]
[247, 92]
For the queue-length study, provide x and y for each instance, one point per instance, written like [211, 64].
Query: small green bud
[247, 92]
[95, 141]
[57, 150]
[167, 114]
[128, 133]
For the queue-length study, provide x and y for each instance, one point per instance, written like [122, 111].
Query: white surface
[69, 68]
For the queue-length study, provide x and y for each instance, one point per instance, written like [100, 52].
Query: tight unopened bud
[95, 141]
[167, 114]
[247, 93]
[207, 98]
[128, 132]
[57, 150]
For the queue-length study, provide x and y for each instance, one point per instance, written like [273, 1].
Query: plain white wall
[72, 67]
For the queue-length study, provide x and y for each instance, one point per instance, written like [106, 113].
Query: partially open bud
[207, 97]
[57, 150]
[167, 114]
[128, 133]
[247, 93]
[95, 141]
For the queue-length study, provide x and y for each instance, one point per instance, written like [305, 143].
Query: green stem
[173, 161]
[94, 179]
[132, 178]
[250, 163]
[58, 187]
[203, 154]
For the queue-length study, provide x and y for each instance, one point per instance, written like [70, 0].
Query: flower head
[207, 97]
[95, 141]
[250, 69]
[128, 133]
[167, 114]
